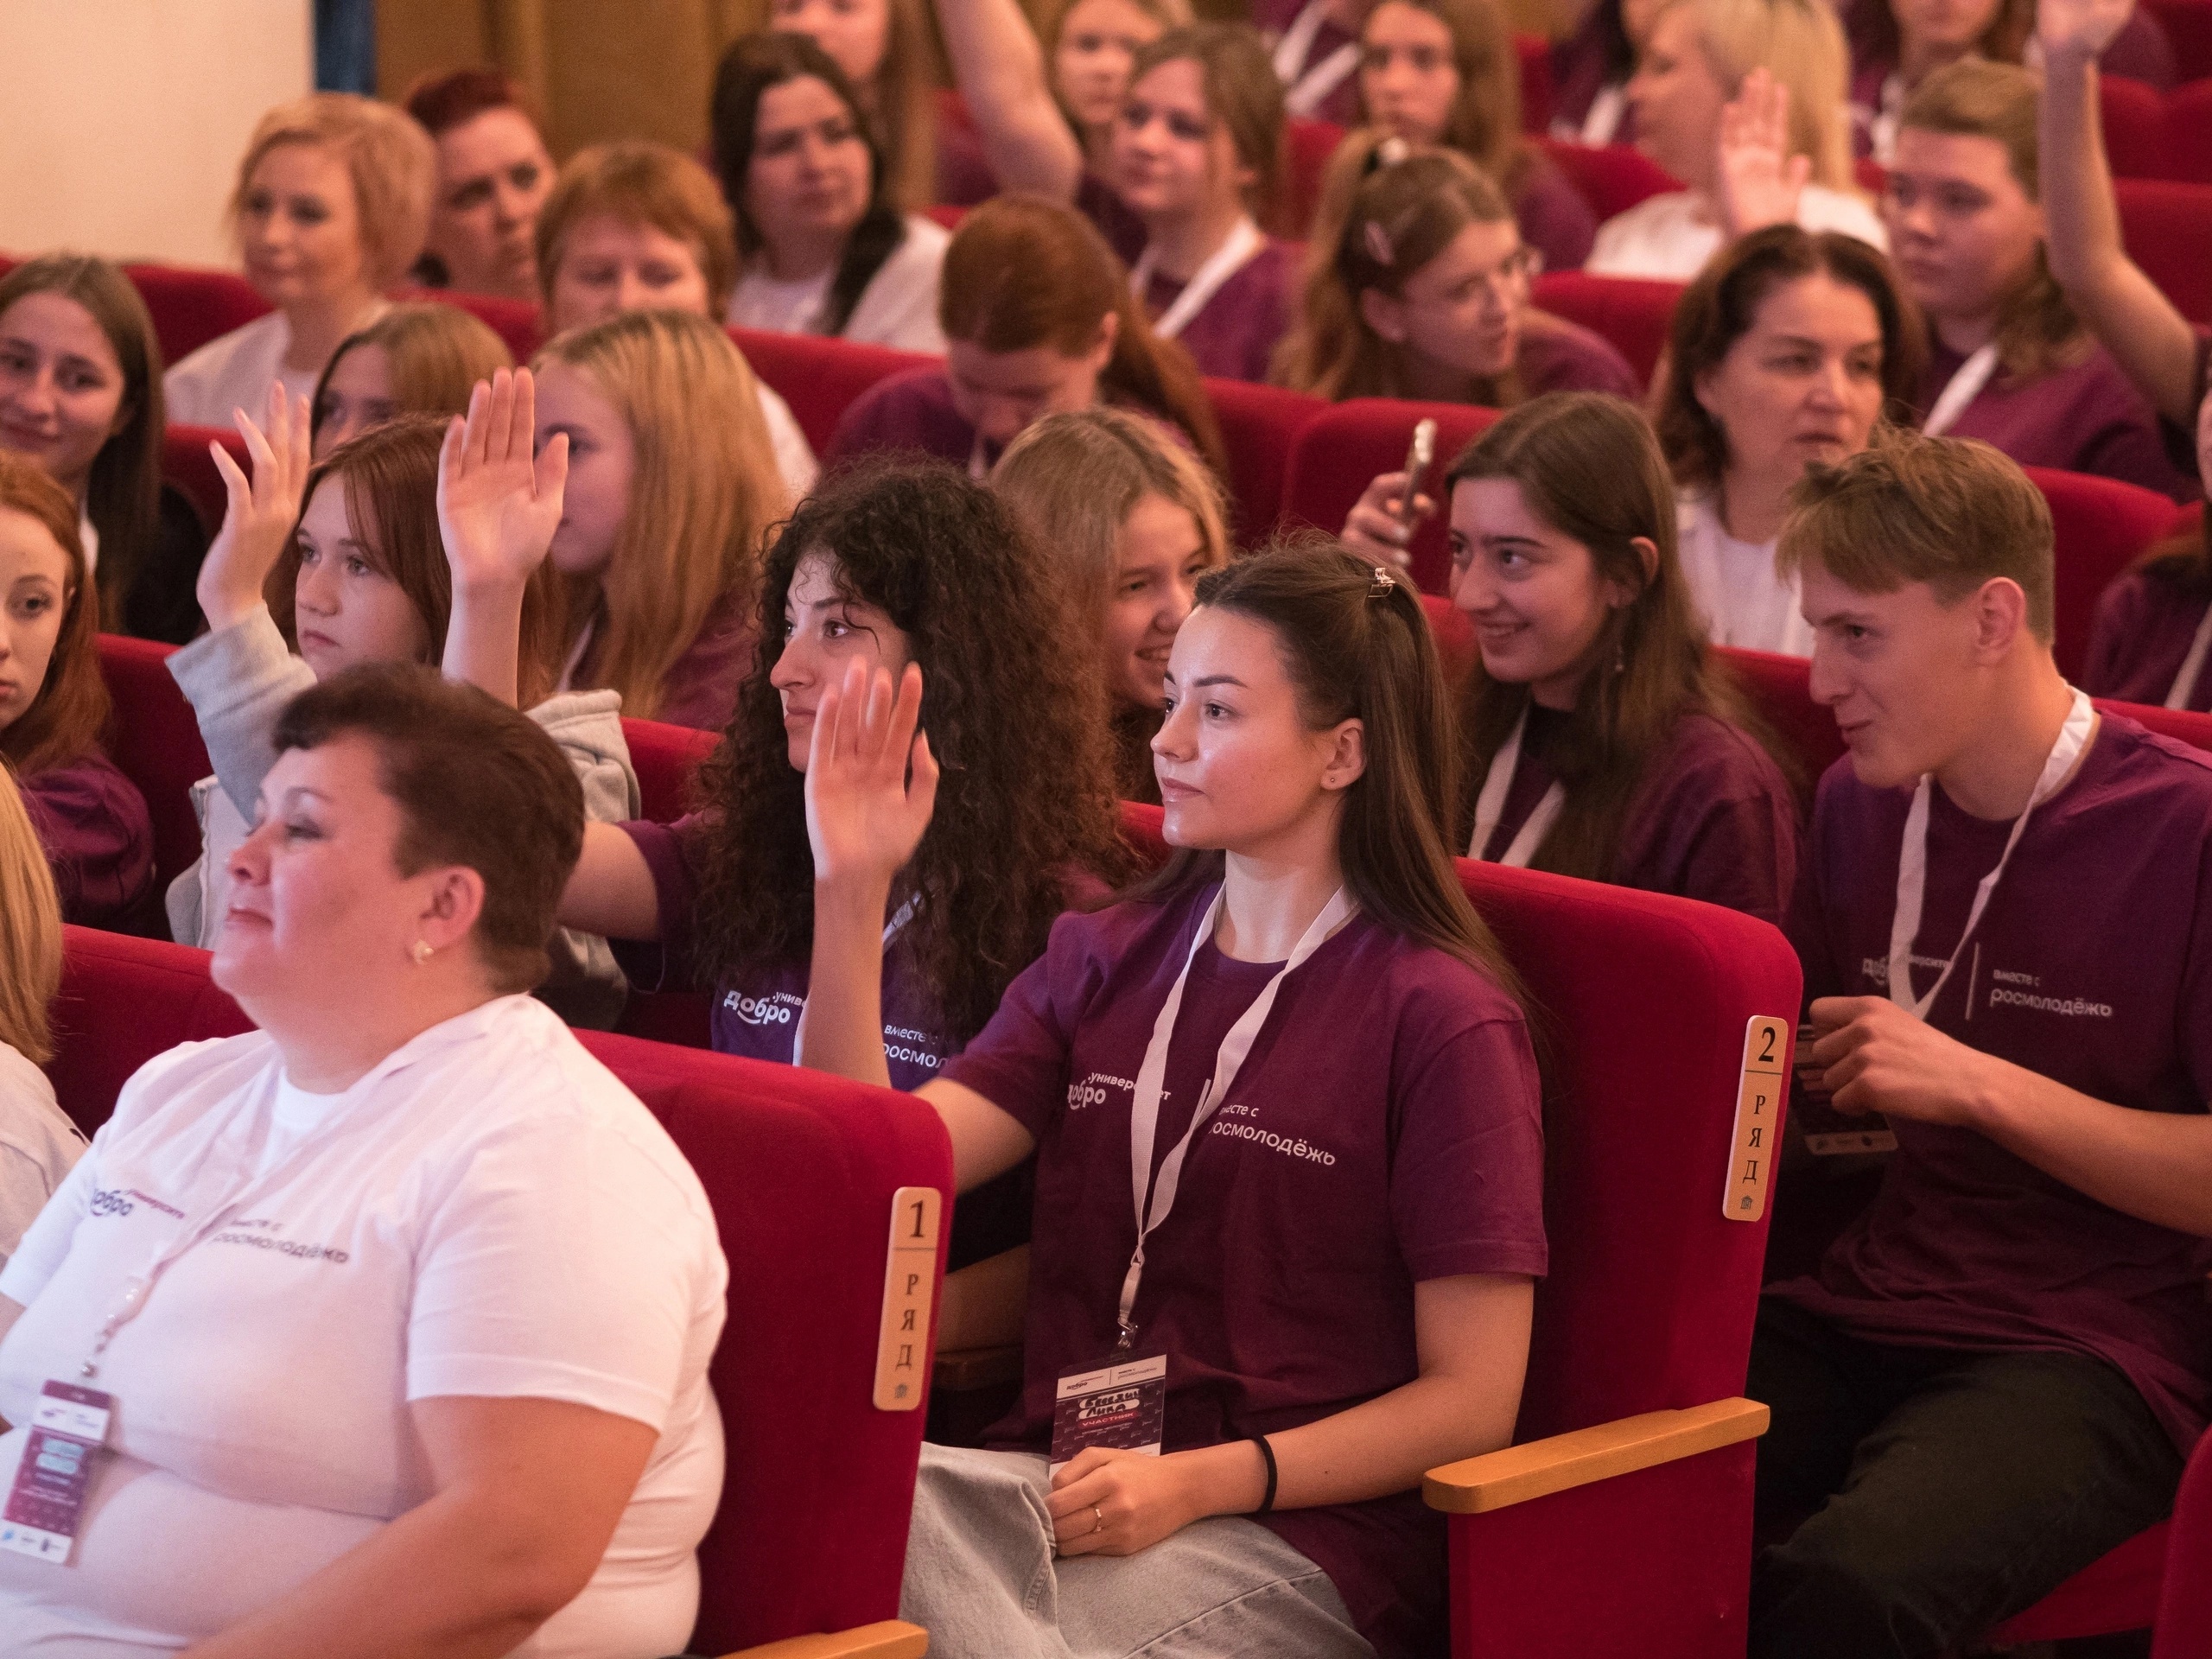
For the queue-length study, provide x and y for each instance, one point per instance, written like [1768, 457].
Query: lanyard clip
[1129, 1337]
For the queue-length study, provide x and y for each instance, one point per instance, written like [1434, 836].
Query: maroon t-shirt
[1385, 1129]
[99, 838]
[2093, 966]
[1557, 355]
[1102, 204]
[1235, 333]
[2088, 418]
[910, 410]
[1273, 18]
[700, 689]
[2144, 627]
[1555, 218]
[1713, 819]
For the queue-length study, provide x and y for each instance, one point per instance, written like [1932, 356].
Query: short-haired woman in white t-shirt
[398, 1310]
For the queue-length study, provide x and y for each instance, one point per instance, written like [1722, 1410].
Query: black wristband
[1266, 1502]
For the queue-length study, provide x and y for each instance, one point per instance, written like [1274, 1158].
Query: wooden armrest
[1517, 1473]
[976, 1368]
[893, 1639]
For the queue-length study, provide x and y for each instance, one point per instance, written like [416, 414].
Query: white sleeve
[563, 1264]
[794, 455]
[45, 1244]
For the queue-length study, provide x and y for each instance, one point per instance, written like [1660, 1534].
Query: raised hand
[871, 781]
[2079, 29]
[1372, 529]
[260, 513]
[1756, 179]
[498, 507]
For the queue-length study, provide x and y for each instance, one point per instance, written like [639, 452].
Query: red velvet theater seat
[1259, 425]
[1619, 1523]
[186, 464]
[1346, 447]
[2185, 1626]
[1307, 145]
[665, 757]
[820, 377]
[801, 1168]
[2102, 526]
[192, 305]
[2187, 24]
[2134, 119]
[1631, 313]
[2167, 229]
[154, 737]
[1612, 178]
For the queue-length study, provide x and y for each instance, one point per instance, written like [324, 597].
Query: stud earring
[423, 952]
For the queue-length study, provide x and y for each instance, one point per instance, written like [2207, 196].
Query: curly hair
[1015, 715]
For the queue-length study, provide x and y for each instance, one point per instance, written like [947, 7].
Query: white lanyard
[978, 468]
[1604, 120]
[1232, 256]
[1308, 89]
[1144, 1099]
[1965, 386]
[903, 914]
[2193, 664]
[139, 1285]
[1912, 861]
[1490, 806]
[568, 670]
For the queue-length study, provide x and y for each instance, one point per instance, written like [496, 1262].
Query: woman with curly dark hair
[888, 563]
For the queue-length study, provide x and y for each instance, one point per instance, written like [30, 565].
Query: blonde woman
[1743, 100]
[635, 227]
[415, 359]
[1134, 519]
[38, 1145]
[672, 485]
[331, 208]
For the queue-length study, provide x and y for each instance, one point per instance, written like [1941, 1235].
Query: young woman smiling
[80, 397]
[1134, 520]
[1784, 353]
[1304, 765]
[1601, 739]
[331, 204]
[824, 250]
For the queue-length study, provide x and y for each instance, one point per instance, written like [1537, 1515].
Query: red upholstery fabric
[665, 757]
[154, 738]
[818, 378]
[800, 1167]
[2188, 110]
[1535, 52]
[1631, 313]
[2184, 1627]
[191, 306]
[1613, 177]
[2187, 24]
[1640, 1002]
[2135, 129]
[2102, 526]
[2167, 228]
[1307, 145]
[947, 216]
[1259, 424]
[186, 464]
[1346, 448]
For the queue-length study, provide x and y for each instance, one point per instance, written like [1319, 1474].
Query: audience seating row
[801, 1168]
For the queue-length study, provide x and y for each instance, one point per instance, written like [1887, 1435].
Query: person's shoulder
[1822, 208]
[212, 1070]
[89, 785]
[2144, 763]
[28, 1107]
[1558, 355]
[1718, 758]
[1427, 989]
[207, 363]
[922, 390]
[925, 240]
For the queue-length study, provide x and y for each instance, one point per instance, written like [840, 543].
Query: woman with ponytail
[1037, 318]
[1304, 765]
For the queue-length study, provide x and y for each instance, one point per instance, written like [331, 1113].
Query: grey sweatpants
[982, 1579]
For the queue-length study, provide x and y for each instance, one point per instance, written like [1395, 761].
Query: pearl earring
[422, 951]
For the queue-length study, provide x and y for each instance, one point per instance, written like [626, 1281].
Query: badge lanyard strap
[1312, 88]
[1144, 1100]
[1965, 386]
[1232, 256]
[1490, 806]
[1912, 862]
[140, 1285]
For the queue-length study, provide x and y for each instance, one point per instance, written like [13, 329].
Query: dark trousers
[1948, 1490]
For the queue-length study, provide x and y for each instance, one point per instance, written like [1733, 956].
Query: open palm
[871, 781]
[260, 512]
[1759, 181]
[498, 504]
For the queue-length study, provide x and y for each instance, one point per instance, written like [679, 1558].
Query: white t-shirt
[38, 1145]
[233, 372]
[1744, 599]
[794, 455]
[897, 308]
[487, 1213]
[1668, 238]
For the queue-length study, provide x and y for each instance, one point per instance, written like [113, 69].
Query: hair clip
[1378, 244]
[1384, 582]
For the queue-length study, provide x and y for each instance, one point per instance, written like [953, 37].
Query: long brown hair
[2037, 329]
[437, 353]
[1485, 121]
[1023, 272]
[1016, 718]
[1400, 216]
[72, 706]
[390, 476]
[1357, 646]
[1073, 480]
[123, 497]
[703, 491]
[1720, 307]
[1243, 94]
[30, 931]
[1587, 467]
